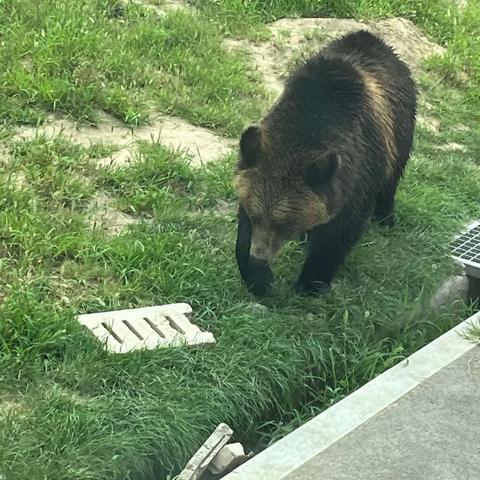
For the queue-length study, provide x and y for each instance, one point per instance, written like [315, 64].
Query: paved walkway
[432, 433]
[419, 420]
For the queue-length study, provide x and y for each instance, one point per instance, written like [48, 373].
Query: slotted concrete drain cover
[466, 249]
[122, 331]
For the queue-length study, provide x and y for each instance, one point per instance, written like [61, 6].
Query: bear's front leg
[312, 280]
[257, 275]
[327, 249]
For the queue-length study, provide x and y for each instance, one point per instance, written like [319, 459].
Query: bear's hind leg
[384, 206]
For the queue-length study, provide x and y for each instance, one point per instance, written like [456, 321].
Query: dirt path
[200, 144]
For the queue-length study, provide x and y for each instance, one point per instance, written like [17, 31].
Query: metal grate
[466, 247]
[122, 331]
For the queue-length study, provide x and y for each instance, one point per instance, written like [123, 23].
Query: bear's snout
[260, 254]
[264, 245]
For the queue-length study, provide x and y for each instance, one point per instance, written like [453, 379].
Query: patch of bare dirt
[292, 37]
[4, 155]
[462, 128]
[73, 397]
[451, 147]
[225, 209]
[199, 144]
[407, 40]
[429, 123]
[19, 180]
[11, 406]
[160, 8]
[103, 215]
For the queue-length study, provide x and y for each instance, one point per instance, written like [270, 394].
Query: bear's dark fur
[327, 156]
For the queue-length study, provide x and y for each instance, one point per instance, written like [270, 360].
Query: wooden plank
[206, 453]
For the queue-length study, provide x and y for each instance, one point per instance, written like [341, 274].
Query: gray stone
[229, 455]
[432, 433]
[454, 288]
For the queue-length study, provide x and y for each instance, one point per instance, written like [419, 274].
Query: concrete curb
[297, 448]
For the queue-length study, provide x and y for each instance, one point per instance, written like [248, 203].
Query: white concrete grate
[466, 248]
[122, 331]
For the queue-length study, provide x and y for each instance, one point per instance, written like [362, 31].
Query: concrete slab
[122, 331]
[299, 456]
[432, 433]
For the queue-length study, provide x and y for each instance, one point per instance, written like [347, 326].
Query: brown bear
[326, 157]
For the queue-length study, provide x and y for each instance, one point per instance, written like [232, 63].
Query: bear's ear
[318, 174]
[250, 146]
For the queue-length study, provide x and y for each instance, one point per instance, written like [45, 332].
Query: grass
[100, 54]
[70, 411]
[474, 333]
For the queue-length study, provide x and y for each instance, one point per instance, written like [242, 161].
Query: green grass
[98, 54]
[69, 407]
[474, 333]
[70, 411]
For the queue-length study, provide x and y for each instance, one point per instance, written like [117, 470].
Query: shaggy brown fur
[329, 153]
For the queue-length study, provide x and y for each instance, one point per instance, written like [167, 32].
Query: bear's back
[355, 86]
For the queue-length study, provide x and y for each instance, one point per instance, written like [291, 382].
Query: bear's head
[285, 191]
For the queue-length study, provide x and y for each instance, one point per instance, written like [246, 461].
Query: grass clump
[474, 333]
